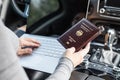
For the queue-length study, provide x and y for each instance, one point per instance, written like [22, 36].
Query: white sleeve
[10, 69]
[63, 70]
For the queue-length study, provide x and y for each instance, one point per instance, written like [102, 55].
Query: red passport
[79, 35]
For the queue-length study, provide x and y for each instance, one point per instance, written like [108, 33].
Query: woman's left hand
[27, 45]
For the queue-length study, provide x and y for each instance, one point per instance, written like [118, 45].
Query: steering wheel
[25, 3]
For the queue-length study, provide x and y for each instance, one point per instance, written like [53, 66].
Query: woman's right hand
[77, 57]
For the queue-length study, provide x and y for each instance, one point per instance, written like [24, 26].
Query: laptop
[47, 56]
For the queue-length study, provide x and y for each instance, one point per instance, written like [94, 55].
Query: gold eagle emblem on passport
[79, 33]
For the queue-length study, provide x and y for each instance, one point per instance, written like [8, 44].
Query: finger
[70, 50]
[25, 51]
[28, 42]
[84, 51]
[87, 47]
[31, 44]
[32, 40]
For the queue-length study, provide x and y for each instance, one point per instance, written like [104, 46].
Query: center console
[104, 57]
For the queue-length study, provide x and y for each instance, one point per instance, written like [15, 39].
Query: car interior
[54, 17]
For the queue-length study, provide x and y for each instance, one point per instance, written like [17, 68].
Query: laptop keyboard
[49, 46]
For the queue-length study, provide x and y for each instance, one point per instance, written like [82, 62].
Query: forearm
[10, 69]
[63, 70]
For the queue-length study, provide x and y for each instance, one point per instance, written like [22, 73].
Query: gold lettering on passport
[87, 26]
[71, 39]
[67, 43]
[79, 33]
[84, 28]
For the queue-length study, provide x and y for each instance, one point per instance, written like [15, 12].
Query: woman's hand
[77, 57]
[27, 45]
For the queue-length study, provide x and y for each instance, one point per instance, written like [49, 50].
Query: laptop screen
[40, 9]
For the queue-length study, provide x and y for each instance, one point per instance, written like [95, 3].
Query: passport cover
[79, 35]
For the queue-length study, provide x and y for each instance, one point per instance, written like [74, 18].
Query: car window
[40, 9]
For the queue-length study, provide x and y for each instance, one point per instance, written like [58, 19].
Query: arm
[10, 69]
[66, 65]
[63, 70]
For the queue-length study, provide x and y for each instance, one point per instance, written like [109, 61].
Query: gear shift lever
[110, 36]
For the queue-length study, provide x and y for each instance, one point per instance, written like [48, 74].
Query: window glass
[40, 9]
